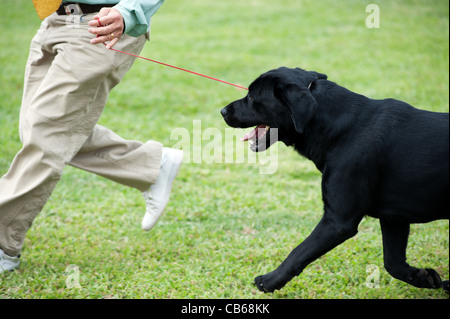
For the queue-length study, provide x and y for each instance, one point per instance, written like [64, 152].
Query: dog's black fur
[381, 158]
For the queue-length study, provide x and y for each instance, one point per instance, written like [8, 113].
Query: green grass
[226, 223]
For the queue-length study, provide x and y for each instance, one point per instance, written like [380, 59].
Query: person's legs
[131, 163]
[66, 87]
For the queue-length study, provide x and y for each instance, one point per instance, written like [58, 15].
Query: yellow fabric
[44, 8]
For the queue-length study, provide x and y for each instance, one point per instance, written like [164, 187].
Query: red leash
[178, 68]
[172, 66]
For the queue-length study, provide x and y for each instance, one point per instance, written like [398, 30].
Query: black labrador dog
[381, 158]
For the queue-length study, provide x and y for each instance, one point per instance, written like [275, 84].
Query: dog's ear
[320, 76]
[300, 103]
[310, 76]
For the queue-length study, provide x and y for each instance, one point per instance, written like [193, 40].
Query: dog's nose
[223, 111]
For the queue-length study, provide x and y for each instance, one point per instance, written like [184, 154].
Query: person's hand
[110, 28]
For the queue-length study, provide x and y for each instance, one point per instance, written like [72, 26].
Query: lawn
[226, 222]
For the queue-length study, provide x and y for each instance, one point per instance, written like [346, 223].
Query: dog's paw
[269, 282]
[427, 278]
[260, 284]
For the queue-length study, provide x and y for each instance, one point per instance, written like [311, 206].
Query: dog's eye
[250, 98]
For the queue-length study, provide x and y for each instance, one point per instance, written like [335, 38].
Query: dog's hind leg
[395, 240]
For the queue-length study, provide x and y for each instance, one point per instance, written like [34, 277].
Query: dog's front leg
[327, 235]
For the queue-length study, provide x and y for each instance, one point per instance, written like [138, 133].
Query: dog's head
[280, 99]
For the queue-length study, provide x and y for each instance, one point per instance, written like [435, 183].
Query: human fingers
[96, 21]
[109, 26]
[105, 34]
[108, 16]
[112, 43]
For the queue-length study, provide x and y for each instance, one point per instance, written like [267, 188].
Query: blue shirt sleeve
[137, 13]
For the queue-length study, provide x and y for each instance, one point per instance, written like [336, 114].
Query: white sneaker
[158, 195]
[8, 263]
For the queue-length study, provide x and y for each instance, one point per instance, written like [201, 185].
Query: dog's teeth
[267, 127]
[251, 142]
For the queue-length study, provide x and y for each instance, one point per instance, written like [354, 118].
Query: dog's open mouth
[259, 138]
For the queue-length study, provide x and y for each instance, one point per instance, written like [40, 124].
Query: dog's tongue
[253, 134]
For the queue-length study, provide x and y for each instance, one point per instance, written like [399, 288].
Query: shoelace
[150, 203]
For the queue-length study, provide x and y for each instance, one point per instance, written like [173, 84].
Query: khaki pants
[67, 82]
